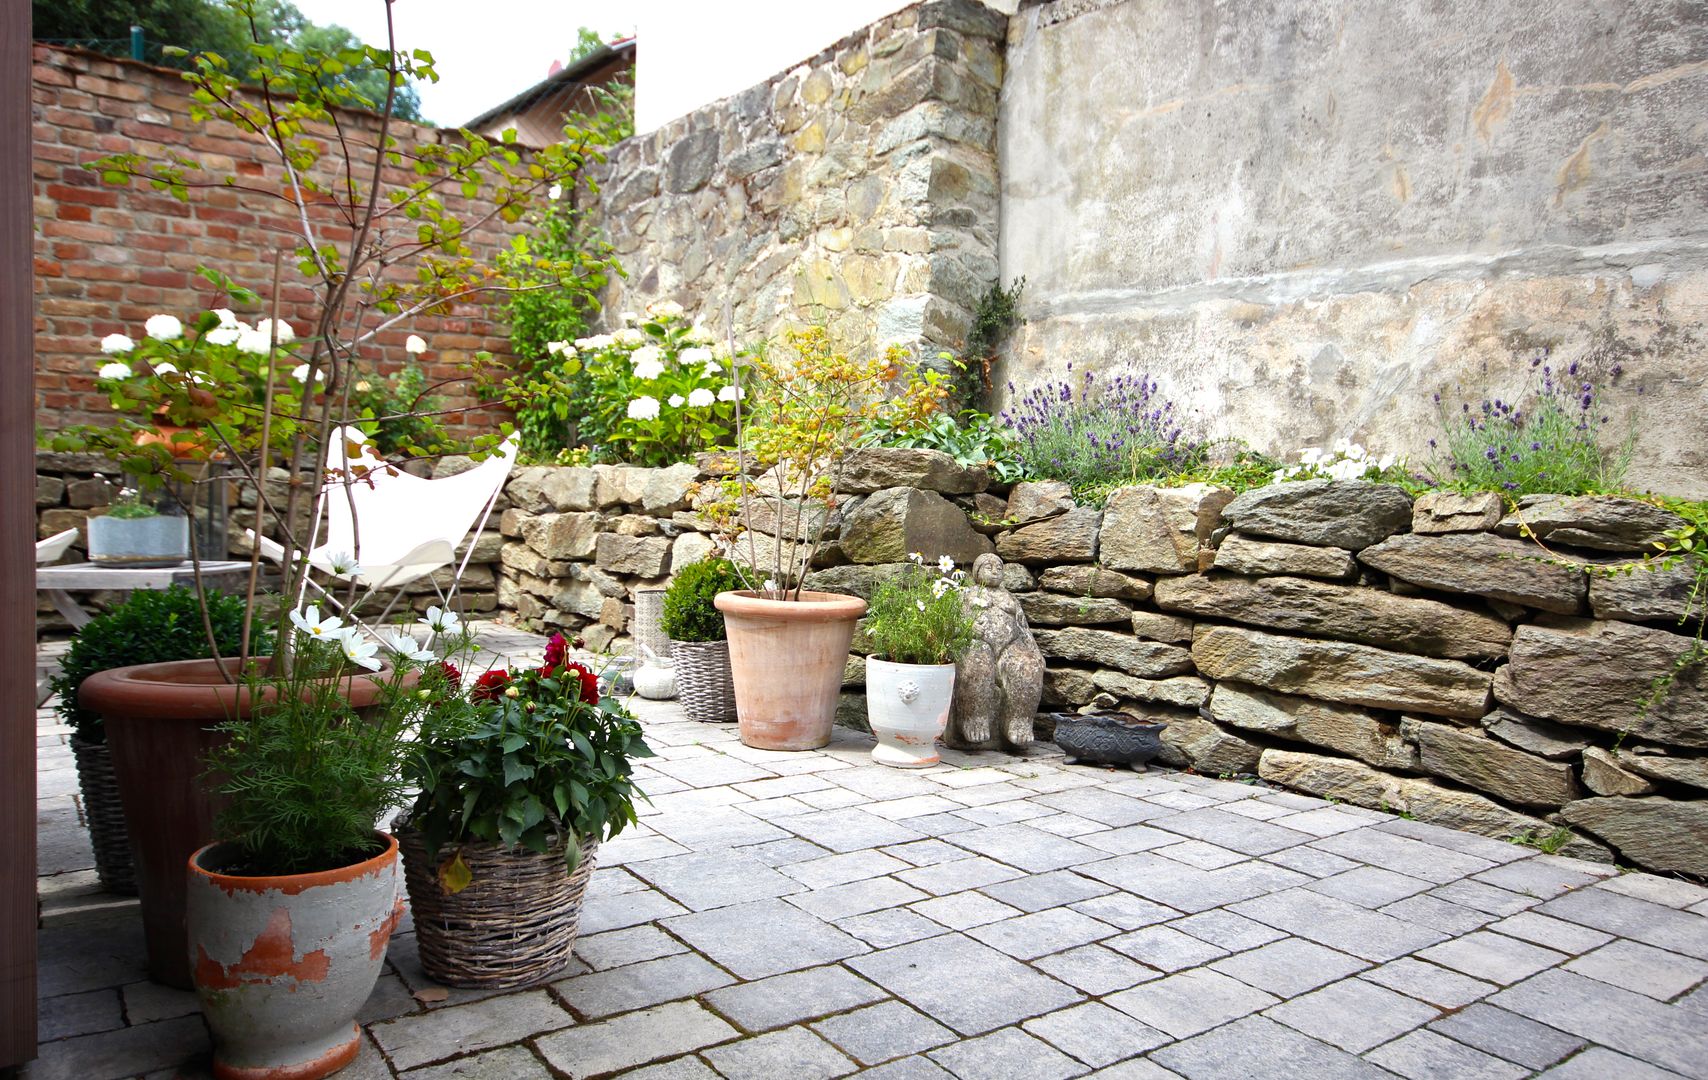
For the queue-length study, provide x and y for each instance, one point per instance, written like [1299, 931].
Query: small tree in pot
[918, 630]
[789, 645]
[699, 643]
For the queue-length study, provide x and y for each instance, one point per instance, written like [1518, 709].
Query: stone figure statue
[999, 681]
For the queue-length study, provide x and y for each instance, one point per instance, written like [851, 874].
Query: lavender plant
[1549, 441]
[1091, 433]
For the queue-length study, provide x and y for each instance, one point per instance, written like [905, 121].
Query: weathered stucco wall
[857, 189]
[1304, 217]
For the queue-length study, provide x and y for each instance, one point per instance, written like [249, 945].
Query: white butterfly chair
[53, 547]
[408, 527]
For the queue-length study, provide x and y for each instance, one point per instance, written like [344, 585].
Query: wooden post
[17, 548]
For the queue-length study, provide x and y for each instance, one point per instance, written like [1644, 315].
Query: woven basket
[108, 834]
[704, 683]
[515, 923]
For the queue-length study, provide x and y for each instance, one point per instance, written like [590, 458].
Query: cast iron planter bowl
[1109, 738]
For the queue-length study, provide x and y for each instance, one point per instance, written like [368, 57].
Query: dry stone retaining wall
[1338, 638]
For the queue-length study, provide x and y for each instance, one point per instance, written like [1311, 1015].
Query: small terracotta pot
[788, 657]
[283, 964]
[160, 721]
[907, 706]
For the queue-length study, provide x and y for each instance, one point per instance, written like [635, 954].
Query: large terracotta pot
[284, 964]
[160, 721]
[788, 657]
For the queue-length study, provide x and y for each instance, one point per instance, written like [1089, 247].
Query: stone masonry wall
[1304, 217]
[1331, 637]
[857, 188]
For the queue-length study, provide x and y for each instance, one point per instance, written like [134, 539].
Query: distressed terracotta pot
[907, 706]
[788, 657]
[284, 964]
[160, 721]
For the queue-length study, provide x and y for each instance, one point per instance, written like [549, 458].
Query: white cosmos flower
[117, 344]
[286, 334]
[359, 650]
[628, 335]
[941, 586]
[343, 563]
[165, 369]
[254, 342]
[440, 621]
[114, 370]
[920, 604]
[223, 334]
[226, 317]
[677, 401]
[407, 647]
[700, 397]
[731, 393]
[164, 327]
[945, 564]
[697, 354]
[916, 558]
[308, 621]
[644, 407]
[413, 344]
[597, 341]
[555, 192]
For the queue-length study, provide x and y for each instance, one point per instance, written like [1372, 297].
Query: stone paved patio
[815, 915]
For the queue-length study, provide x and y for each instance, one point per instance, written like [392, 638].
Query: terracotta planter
[284, 964]
[160, 722]
[908, 708]
[788, 657]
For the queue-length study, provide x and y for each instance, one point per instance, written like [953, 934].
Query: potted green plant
[789, 645]
[699, 644]
[147, 627]
[918, 629]
[289, 915]
[519, 780]
[134, 533]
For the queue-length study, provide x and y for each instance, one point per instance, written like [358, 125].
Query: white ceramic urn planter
[908, 707]
[283, 964]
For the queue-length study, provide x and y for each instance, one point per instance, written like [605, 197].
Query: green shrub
[149, 627]
[917, 618]
[689, 614]
[970, 437]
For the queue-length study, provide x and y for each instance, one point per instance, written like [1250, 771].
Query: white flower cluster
[648, 361]
[1345, 460]
[352, 640]
[229, 331]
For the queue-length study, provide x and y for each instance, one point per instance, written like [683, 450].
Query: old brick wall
[109, 257]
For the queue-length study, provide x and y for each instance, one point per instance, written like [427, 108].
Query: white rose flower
[117, 344]
[677, 401]
[115, 370]
[223, 335]
[254, 341]
[265, 329]
[644, 407]
[628, 335]
[414, 345]
[700, 397]
[699, 354]
[164, 327]
[731, 393]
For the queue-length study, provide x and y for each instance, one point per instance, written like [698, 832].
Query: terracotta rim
[292, 884]
[812, 607]
[195, 690]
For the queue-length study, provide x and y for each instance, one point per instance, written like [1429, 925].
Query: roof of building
[573, 75]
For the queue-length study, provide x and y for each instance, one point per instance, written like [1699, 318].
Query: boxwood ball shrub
[689, 614]
[149, 627]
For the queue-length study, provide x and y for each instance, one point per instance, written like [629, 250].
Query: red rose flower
[589, 682]
[490, 686]
[450, 674]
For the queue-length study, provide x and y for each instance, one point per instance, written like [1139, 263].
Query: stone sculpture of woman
[999, 681]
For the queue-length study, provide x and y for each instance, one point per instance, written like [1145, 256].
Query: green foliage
[399, 412]
[1548, 843]
[998, 313]
[970, 437]
[689, 614]
[916, 617]
[129, 506]
[588, 42]
[148, 627]
[522, 768]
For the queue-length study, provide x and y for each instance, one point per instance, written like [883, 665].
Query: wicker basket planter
[108, 834]
[513, 925]
[704, 683]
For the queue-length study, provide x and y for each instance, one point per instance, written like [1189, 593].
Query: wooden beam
[17, 548]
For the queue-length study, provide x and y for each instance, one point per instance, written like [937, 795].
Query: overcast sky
[485, 51]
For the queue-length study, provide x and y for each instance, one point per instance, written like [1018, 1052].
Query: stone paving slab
[814, 914]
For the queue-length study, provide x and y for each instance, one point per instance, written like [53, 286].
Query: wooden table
[59, 581]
